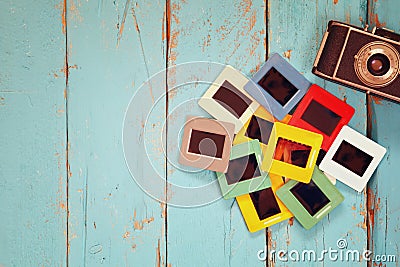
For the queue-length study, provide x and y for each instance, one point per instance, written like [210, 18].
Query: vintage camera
[367, 61]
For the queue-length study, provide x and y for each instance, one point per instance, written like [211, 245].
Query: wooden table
[68, 70]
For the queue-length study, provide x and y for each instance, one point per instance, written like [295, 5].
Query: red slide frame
[330, 102]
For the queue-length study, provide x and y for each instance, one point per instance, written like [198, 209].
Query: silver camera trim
[366, 52]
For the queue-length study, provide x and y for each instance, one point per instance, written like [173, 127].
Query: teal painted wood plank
[296, 30]
[32, 136]
[226, 32]
[383, 204]
[113, 47]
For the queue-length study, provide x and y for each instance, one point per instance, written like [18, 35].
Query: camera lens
[378, 64]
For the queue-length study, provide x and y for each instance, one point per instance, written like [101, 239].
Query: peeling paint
[68, 169]
[168, 19]
[149, 220]
[74, 13]
[137, 225]
[126, 235]
[206, 42]
[252, 20]
[163, 210]
[255, 41]
[348, 17]
[135, 21]
[59, 111]
[163, 33]
[371, 203]
[287, 54]
[375, 19]
[66, 68]
[108, 196]
[256, 69]
[247, 6]
[175, 17]
[172, 34]
[158, 255]
[342, 93]
[122, 25]
[62, 6]
[271, 246]
[377, 100]
[60, 200]
[369, 115]
[172, 38]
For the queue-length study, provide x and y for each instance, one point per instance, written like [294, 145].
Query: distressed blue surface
[32, 136]
[213, 235]
[67, 73]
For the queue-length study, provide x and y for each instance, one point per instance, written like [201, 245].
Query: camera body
[367, 61]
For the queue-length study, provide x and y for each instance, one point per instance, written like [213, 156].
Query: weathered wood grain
[114, 46]
[67, 72]
[383, 204]
[32, 137]
[229, 32]
[295, 31]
